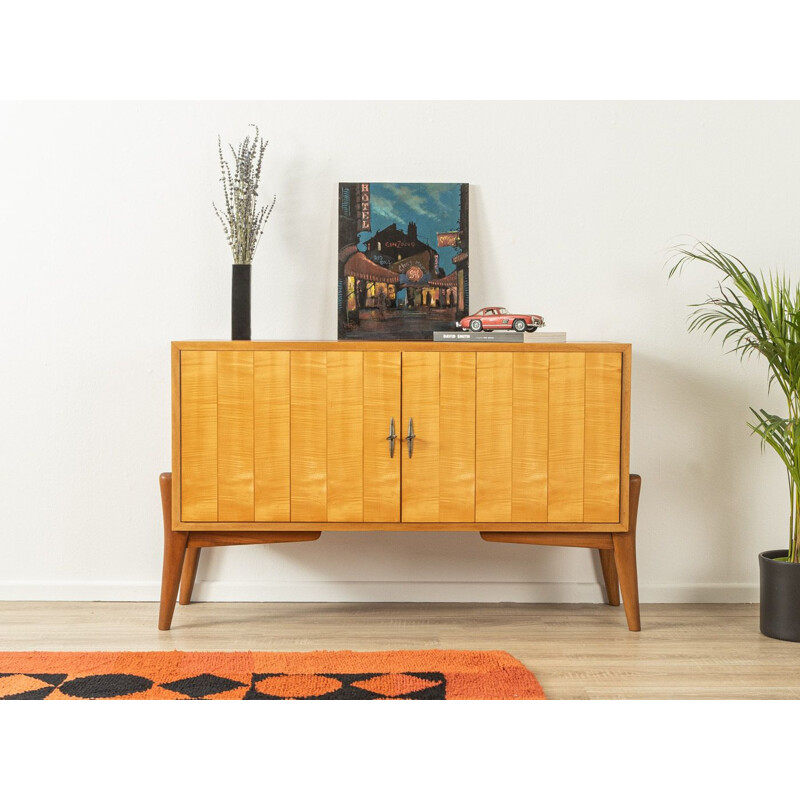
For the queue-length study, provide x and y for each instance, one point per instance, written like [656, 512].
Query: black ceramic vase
[240, 302]
[780, 596]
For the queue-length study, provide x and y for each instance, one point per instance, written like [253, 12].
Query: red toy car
[495, 318]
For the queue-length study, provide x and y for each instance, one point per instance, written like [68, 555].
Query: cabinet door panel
[199, 436]
[235, 479]
[457, 437]
[381, 405]
[345, 486]
[420, 473]
[271, 435]
[529, 416]
[566, 435]
[493, 437]
[309, 441]
[300, 435]
[602, 437]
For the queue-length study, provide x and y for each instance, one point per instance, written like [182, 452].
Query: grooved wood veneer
[508, 437]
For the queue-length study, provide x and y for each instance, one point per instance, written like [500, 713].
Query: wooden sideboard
[279, 441]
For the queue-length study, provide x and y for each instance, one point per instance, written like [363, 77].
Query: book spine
[443, 336]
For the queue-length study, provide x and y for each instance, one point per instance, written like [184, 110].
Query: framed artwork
[403, 259]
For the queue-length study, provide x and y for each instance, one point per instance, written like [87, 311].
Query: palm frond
[757, 314]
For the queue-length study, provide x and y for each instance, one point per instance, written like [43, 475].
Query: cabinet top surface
[226, 344]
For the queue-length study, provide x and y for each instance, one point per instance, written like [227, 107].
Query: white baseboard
[375, 592]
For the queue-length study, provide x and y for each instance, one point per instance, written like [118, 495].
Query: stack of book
[499, 336]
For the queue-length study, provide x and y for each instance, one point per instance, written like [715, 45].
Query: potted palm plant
[242, 221]
[759, 314]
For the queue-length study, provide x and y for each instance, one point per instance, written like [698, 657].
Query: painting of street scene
[403, 259]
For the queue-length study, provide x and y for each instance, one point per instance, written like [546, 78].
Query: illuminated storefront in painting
[368, 285]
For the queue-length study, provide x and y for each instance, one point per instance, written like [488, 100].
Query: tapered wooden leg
[625, 559]
[189, 574]
[610, 576]
[174, 552]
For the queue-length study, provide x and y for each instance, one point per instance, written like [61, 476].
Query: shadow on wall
[486, 282]
[690, 442]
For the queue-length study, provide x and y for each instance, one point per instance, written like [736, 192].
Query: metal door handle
[411, 436]
[390, 438]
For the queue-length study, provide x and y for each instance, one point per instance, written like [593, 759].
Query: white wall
[110, 250]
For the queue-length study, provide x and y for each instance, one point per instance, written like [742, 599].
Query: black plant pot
[240, 302]
[780, 596]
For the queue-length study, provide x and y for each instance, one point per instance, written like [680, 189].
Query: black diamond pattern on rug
[435, 692]
[202, 685]
[24, 690]
[34, 694]
[52, 678]
[421, 686]
[105, 686]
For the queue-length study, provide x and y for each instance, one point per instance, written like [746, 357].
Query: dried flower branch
[242, 222]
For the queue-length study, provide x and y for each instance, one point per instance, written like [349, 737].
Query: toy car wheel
[519, 325]
[475, 325]
[533, 328]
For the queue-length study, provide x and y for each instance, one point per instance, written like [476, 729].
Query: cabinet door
[341, 407]
[198, 436]
[217, 441]
[548, 437]
[315, 426]
[438, 475]
[602, 437]
[511, 437]
[584, 435]
[276, 436]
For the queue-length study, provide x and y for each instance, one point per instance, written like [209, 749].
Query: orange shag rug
[319, 675]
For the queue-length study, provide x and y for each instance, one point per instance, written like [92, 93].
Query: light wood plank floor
[579, 651]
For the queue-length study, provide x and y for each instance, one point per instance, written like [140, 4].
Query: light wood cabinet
[532, 435]
[294, 438]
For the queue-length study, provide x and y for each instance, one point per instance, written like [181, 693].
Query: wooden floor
[577, 651]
